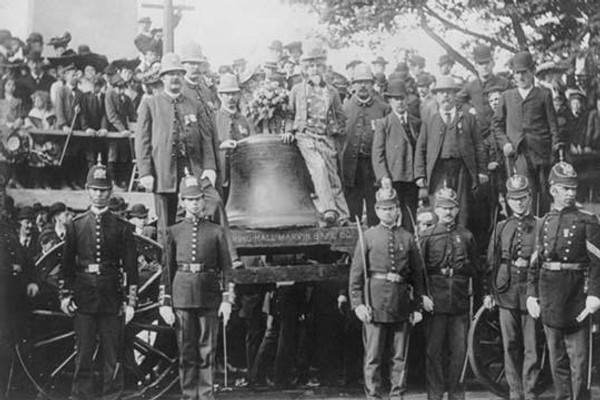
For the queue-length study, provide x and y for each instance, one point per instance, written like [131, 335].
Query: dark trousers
[165, 205]
[362, 192]
[197, 331]
[446, 350]
[253, 317]
[385, 343]
[7, 342]
[109, 328]
[454, 172]
[521, 358]
[568, 350]
[538, 181]
[408, 197]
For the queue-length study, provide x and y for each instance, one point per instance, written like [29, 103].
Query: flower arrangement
[269, 107]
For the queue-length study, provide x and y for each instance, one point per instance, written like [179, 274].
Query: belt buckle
[94, 269]
[554, 266]
[195, 267]
[448, 272]
[392, 277]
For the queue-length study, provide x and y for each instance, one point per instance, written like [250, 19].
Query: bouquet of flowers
[269, 107]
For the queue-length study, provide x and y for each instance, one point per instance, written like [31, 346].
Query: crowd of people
[378, 147]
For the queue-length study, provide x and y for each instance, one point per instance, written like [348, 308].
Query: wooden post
[168, 29]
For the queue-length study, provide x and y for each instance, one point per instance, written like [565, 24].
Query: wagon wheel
[486, 354]
[150, 352]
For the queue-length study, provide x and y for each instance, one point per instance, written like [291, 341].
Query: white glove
[341, 300]
[421, 182]
[147, 182]
[592, 304]
[32, 289]
[211, 175]
[166, 312]
[427, 303]
[68, 306]
[483, 178]
[225, 311]
[533, 307]
[129, 313]
[488, 302]
[386, 183]
[416, 317]
[90, 132]
[102, 132]
[364, 313]
[508, 149]
[228, 144]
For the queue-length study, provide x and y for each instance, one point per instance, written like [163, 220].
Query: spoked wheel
[486, 354]
[150, 350]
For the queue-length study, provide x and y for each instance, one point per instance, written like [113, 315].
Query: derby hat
[446, 83]
[228, 84]
[117, 204]
[522, 61]
[396, 88]
[379, 60]
[192, 53]
[138, 211]
[26, 213]
[482, 54]
[171, 63]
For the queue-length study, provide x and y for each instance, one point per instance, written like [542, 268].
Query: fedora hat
[522, 61]
[482, 53]
[192, 53]
[379, 60]
[228, 84]
[362, 72]
[171, 63]
[314, 51]
[396, 88]
[446, 83]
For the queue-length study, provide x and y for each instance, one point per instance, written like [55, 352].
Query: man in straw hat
[509, 253]
[197, 84]
[195, 291]
[394, 143]
[564, 284]
[385, 268]
[318, 121]
[526, 129]
[170, 137]
[361, 111]
[451, 263]
[98, 246]
[450, 149]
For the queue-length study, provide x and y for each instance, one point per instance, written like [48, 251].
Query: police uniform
[509, 251]
[450, 255]
[393, 265]
[565, 276]
[197, 261]
[99, 258]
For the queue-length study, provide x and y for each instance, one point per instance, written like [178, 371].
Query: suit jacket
[93, 112]
[65, 105]
[393, 150]
[474, 89]
[360, 120]
[530, 124]
[154, 144]
[116, 110]
[234, 127]
[431, 139]
[189, 289]
[26, 85]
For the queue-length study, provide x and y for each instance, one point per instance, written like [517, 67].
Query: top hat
[171, 63]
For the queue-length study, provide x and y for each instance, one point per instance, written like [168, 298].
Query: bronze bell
[269, 186]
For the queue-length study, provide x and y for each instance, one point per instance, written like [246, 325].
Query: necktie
[448, 118]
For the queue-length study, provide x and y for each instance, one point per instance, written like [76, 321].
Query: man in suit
[361, 110]
[509, 253]
[563, 285]
[450, 149]
[171, 136]
[379, 293]
[394, 143]
[526, 128]
[94, 121]
[316, 123]
[194, 290]
[36, 79]
[28, 235]
[99, 246]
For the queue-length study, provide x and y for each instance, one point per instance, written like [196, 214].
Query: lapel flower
[190, 119]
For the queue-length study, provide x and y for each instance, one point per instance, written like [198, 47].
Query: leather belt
[560, 266]
[390, 277]
[99, 268]
[449, 272]
[194, 268]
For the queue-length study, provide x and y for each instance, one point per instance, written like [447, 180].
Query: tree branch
[516, 24]
[452, 25]
[449, 49]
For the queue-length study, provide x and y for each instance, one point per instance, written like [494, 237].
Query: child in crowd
[41, 116]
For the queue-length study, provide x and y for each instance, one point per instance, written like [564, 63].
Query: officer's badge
[100, 173]
[457, 239]
[566, 232]
[568, 170]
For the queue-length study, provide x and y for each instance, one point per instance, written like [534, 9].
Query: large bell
[268, 185]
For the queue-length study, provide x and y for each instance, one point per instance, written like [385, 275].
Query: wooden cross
[168, 25]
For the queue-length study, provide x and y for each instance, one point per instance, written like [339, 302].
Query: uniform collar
[98, 211]
[390, 227]
[364, 103]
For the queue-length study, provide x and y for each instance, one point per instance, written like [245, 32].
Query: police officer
[193, 287]
[383, 302]
[99, 258]
[564, 283]
[509, 251]
[449, 252]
